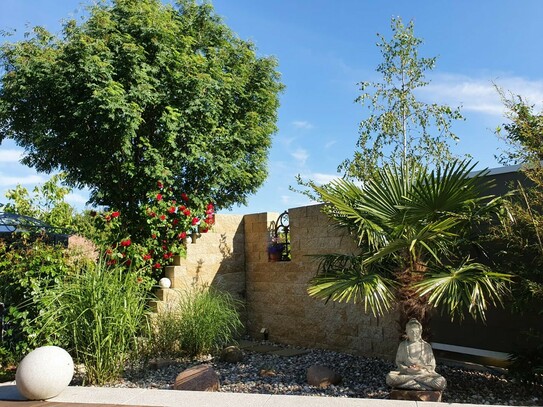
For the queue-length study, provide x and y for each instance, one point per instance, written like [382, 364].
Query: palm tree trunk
[411, 304]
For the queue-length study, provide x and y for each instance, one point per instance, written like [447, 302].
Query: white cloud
[330, 144]
[10, 156]
[76, 199]
[321, 178]
[302, 124]
[479, 94]
[300, 155]
[11, 181]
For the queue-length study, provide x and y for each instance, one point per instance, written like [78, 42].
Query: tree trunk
[411, 304]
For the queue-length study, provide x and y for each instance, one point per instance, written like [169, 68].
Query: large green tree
[415, 228]
[519, 245]
[398, 125]
[142, 91]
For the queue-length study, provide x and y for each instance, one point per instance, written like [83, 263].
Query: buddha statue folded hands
[415, 362]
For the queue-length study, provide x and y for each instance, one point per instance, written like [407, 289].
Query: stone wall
[217, 258]
[233, 257]
[277, 298]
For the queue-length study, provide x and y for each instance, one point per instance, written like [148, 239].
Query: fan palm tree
[415, 230]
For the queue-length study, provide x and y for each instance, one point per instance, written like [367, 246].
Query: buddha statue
[415, 362]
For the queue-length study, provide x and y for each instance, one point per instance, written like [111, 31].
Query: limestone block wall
[233, 257]
[276, 292]
[217, 259]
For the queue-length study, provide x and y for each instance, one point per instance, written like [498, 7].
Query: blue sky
[324, 49]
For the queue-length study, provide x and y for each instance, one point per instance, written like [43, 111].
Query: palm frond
[448, 190]
[471, 287]
[343, 278]
[345, 205]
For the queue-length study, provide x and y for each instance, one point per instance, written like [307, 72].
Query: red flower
[195, 221]
[159, 197]
[159, 184]
[162, 217]
[182, 208]
[167, 255]
[210, 206]
[128, 262]
[186, 212]
[157, 265]
[126, 243]
[153, 235]
[175, 222]
[109, 252]
[204, 230]
[184, 197]
[111, 262]
[108, 218]
[182, 235]
[152, 214]
[115, 214]
[171, 209]
[146, 257]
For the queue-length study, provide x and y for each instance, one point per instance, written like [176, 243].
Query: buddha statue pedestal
[415, 395]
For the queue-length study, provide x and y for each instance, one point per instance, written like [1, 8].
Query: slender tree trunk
[411, 304]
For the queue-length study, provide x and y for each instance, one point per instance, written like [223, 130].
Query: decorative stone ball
[165, 282]
[44, 373]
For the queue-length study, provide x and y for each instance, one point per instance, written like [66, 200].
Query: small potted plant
[275, 250]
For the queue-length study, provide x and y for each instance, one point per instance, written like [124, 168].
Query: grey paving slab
[315, 401]
[111, 397]
[100, 395]
[167, 398]
[171, 398]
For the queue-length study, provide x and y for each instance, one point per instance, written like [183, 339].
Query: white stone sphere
[44, 373]
[165, 282]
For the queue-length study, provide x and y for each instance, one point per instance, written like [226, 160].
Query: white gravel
[362, 377]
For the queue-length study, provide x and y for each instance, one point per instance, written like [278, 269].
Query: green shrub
[102, 311]
[28, 270]
[526, 363]
[202, 321]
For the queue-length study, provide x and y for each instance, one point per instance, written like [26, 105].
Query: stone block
[176, 274]
[322, 376]
[198, 378]
[232, 354]
[415, 395]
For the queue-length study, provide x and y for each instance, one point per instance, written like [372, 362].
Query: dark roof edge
[499, 170]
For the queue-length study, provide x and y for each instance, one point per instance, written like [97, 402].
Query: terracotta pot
[274, 256]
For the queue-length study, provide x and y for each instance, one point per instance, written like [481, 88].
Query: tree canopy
[399, 125]
[519, 245]
[138, 92]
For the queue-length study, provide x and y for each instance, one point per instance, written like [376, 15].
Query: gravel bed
[362, 378]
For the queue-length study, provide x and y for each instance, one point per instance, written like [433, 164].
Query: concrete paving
[174, 398]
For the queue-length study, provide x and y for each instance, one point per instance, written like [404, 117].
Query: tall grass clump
[201, 321]
[102, 310]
